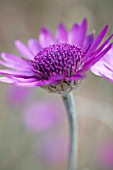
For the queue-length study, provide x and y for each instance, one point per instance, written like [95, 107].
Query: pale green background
[22, 19]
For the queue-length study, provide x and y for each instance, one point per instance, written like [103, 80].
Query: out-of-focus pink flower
[104, 154]
[16, 95]
[41, 116]
[104, 67]
[52, 150]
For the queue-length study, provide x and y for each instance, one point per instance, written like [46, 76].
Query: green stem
[72, 117]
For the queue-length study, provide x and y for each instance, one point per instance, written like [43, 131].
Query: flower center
[58, 59]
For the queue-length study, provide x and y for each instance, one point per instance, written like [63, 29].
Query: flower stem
[72, 117]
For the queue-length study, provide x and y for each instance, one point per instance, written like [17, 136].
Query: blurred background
[33, 123]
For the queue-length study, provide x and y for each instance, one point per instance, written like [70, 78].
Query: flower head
[58, 63]
[104, 67]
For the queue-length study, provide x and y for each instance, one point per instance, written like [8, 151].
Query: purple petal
[30, 84]
[109, 67]
[17, 73]
[98, 50]
[91, 62]
[24, 50]
[97, 68]
[108, 77]
[23, 80]
[34, 46]
[6, 80]
[76, 77]
[10, 57]
[101, 68]
[61, 34]
[46, 38]
[108, 58]
[88, 41]
[52, 80]
[55, 78]
[103, 45]
[97, 41]
[77, 33]
[14, 62]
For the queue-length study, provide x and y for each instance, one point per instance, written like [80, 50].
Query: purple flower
[104, 67]
[42, 116]
[57, 63]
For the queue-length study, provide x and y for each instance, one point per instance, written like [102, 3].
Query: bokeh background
[33, 123]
